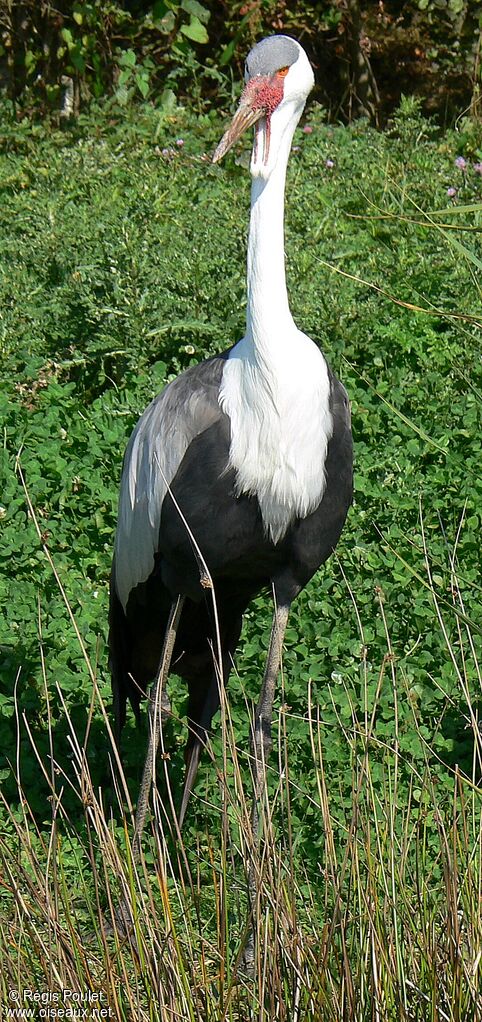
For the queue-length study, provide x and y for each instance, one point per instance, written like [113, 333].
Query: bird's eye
[283, 71]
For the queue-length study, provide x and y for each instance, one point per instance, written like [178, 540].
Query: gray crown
[270, 55]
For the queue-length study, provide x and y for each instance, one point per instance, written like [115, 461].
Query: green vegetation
[122, 255]
[366, 54]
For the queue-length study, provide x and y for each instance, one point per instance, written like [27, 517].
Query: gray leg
[192, 764]
[260, 749]
[157, 703]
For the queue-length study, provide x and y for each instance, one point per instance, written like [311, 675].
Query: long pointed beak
[245, 116]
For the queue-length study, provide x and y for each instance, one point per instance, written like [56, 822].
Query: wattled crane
[241, 466]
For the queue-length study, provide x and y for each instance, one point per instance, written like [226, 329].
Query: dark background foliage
[366, 55]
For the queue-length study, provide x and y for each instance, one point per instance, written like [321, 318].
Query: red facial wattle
[264, 94]
[261, 96]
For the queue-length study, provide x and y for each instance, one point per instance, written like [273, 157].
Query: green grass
[121, 264]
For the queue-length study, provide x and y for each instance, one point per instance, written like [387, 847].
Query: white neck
[268, 318]
[275, 387]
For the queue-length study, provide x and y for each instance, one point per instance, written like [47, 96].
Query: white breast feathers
[281, 425]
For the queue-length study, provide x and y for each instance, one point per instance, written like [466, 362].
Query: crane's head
[278, 78]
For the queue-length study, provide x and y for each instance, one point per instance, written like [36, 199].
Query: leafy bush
[103, 45]
[365, 55]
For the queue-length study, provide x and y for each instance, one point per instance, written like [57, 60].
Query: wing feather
[183, 410]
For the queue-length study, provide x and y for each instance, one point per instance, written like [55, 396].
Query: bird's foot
[122, 924]
[165, 704]
[247, 963]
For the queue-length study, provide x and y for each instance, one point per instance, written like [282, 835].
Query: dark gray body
[241, 559]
